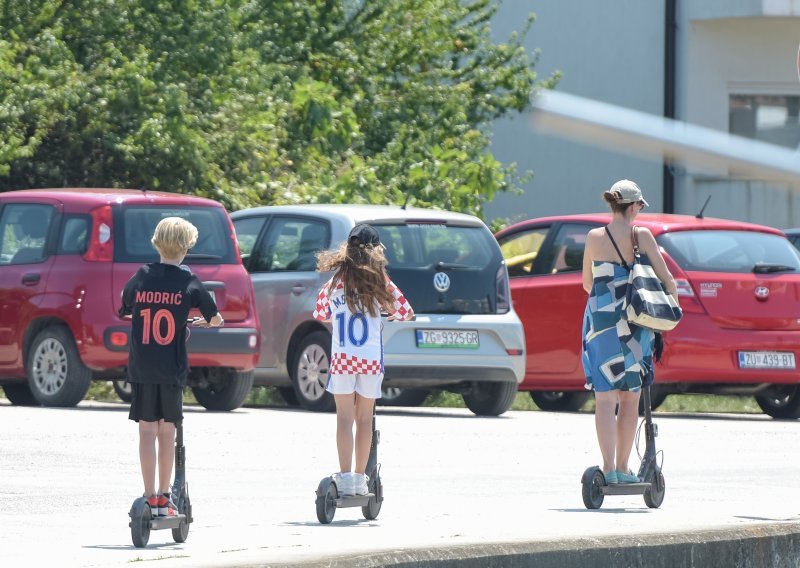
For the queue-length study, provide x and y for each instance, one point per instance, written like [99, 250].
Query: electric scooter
[143, 519]
[328, 498]
[652, 486]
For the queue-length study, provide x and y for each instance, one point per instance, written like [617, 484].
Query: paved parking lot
[451, 479]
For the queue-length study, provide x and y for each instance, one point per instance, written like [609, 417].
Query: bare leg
[627, 417]
[166, 454]
[147, 455]
[606, 424]
[345, 414]
[364, 408]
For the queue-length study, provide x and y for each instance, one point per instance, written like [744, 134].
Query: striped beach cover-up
[616, 355]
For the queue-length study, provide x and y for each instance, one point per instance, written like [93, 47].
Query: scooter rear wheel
[654, 495]
[326, 504]
[140, 523]
[592, 489]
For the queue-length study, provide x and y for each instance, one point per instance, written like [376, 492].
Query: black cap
[363, 234]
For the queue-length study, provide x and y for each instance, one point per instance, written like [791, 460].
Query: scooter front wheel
[326, 501]
[181, 532]
[373, 507]
[140, 515]
[654, 495]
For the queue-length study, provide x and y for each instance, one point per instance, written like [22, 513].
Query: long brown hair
[362, 270]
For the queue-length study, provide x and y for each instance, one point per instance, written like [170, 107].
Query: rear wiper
[451, 265]
[763, 268]
[203, 256]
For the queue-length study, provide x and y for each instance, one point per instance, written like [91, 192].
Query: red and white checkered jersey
[357, 343]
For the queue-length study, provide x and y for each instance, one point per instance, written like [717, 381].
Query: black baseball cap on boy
[363, 234]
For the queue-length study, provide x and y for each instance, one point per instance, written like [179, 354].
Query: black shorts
[152, 403]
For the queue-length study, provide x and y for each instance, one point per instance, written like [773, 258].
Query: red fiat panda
[65, 255]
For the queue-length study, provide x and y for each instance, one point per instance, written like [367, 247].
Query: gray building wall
[601, 56]
[614, 52]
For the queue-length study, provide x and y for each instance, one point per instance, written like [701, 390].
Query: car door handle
[298, 289]
[31, 279]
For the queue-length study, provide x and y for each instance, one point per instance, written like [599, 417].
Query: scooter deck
[158, 523]
[624, 489]
[354, 500]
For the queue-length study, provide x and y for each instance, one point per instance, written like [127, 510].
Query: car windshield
[731, 251]
[136, 224]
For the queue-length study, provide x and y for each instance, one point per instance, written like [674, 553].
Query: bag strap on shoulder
[616, 248]
[635, 240]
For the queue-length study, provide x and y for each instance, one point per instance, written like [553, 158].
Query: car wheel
[392, 396]
[20, 395]
[782, 402]
[560, 401]
[310, 372]
[288, 396]
[490, 399]
[123, 390]
[223, 389]
[56, 374]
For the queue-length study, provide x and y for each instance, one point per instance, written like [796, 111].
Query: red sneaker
[166, 508]
[153, 502]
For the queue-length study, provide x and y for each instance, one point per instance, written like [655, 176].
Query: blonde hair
[173, 237]
[362, 270]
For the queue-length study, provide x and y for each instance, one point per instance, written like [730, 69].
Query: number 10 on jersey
[350, 331]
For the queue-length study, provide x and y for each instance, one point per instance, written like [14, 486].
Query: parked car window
[23, 230]
[291, 244]
[247, 231]
[565, 253]
[213, 246]
[728, 251]
[425, 245]
[521, 250]
[74, 235]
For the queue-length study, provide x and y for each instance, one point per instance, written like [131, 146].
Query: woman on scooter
[353, 299]
[617, 356]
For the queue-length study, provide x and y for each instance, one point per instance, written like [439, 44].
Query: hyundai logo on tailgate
[441, 282]
[762, 292]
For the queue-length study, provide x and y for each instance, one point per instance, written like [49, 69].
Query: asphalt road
[68, 477]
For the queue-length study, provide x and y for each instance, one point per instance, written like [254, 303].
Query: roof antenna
[700, 215]
[408, 196]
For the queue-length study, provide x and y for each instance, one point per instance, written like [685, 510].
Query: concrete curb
[754, 546]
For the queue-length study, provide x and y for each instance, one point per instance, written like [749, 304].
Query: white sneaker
[360, 486]
[344, 483]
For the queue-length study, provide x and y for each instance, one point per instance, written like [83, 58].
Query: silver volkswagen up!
[466, 338]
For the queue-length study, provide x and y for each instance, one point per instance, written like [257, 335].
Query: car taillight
[101, 241]
[503, 291]
[686, 296]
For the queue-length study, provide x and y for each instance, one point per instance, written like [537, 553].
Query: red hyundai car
[739, 286]
[65, 255]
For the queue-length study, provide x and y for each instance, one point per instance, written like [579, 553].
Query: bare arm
[588, 256]
[649, 246]
[215, 321]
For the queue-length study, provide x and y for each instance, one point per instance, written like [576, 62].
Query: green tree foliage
[260, 101]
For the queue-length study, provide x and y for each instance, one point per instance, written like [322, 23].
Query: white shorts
[368, 386]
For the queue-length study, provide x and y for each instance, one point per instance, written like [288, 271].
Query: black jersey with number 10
[159, 297]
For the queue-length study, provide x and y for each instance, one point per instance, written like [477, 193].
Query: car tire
[56, 375]
[123, 390]
[785, 405]
[402, 397]
[560, 401]
[227, 392]
[310, 367]
[490, 399]
[287, 393]
[19, 394]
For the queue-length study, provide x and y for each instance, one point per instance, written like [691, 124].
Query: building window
[769, 118]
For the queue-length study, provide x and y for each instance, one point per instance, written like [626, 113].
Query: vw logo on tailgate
[441, 282]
